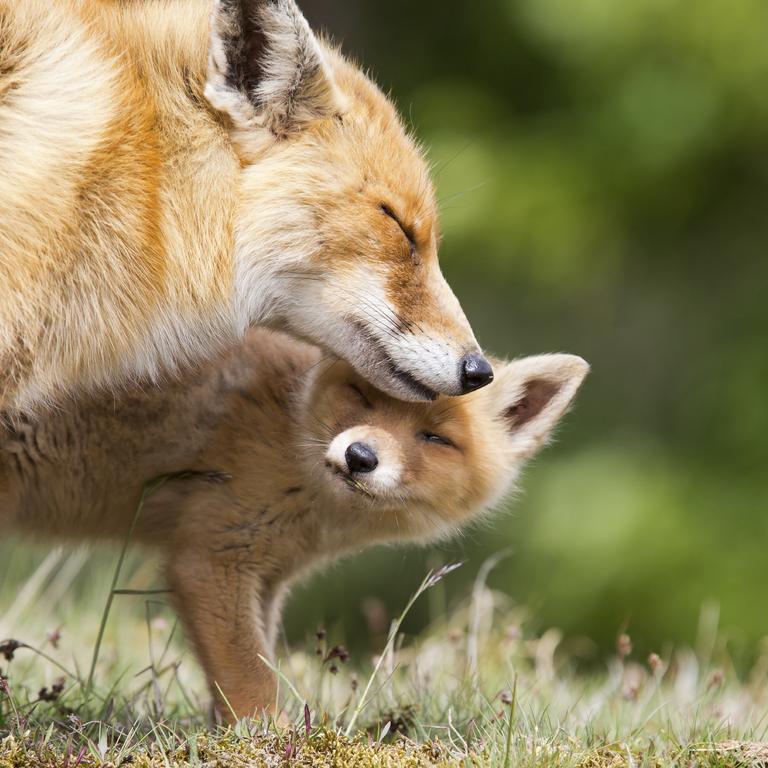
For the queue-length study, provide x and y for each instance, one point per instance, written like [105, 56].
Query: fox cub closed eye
[360, 395]
[431, 437]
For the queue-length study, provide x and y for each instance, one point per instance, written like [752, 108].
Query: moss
[323, 749]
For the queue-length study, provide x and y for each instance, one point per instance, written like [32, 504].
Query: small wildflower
[353, 683]
[506, 697]
[333, 669]
[655, 663]
[439, 574]
[339, 652]
[54, 637]
[716, 679]
[320, 634]
[8, 648]
[629, 693]
[624, 645]
[48, 695]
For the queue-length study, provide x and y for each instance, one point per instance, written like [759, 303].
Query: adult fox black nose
[474, 372]
[361, 458]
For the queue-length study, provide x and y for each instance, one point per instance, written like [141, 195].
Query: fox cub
[175, 171]
[314, 462]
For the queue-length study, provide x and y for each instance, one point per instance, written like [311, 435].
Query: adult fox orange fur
[173, 171]
[319, 463]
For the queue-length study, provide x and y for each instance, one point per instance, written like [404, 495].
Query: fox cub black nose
[475, 372]
[361, 458]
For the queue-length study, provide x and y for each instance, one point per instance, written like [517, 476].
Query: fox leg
[221, 603]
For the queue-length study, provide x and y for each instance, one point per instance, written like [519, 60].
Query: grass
[477, 689]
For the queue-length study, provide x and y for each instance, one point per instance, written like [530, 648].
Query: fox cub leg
[222, 605]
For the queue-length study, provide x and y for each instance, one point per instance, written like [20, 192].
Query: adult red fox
[319, 463]
[174, 171]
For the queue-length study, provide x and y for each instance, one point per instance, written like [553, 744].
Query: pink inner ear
[536, 396]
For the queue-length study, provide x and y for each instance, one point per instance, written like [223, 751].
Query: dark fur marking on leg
[213, 476]
[232, 547]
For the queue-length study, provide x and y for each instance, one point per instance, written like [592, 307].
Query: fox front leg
[220, 603]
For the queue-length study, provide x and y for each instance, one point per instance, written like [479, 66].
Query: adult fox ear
[535, 393]
[266, 68]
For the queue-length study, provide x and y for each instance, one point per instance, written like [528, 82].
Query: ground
[478, 688]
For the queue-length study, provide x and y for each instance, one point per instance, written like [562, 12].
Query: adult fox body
[173, 171]
[315, 463]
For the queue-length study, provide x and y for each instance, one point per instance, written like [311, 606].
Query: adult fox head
[336, 231]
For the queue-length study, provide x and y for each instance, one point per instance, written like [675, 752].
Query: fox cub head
[336, 232]
[419, 470]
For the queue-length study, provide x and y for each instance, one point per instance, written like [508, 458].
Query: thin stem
[49, 659]
[432, 578]
[508, 749]
[146, 492]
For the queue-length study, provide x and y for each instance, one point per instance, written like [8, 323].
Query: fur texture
[174, 171]
[276, 422]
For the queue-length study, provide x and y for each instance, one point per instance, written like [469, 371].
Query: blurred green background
[604, 172]
[603, 167]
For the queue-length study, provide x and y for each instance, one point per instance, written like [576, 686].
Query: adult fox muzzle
[174, 171]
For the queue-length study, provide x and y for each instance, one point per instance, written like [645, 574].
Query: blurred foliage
[603, 172]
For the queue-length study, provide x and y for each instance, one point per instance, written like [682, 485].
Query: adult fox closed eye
[318, 462]
[173, 171]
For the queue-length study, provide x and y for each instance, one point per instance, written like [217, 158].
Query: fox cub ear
[535, 393]
[266, 68]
